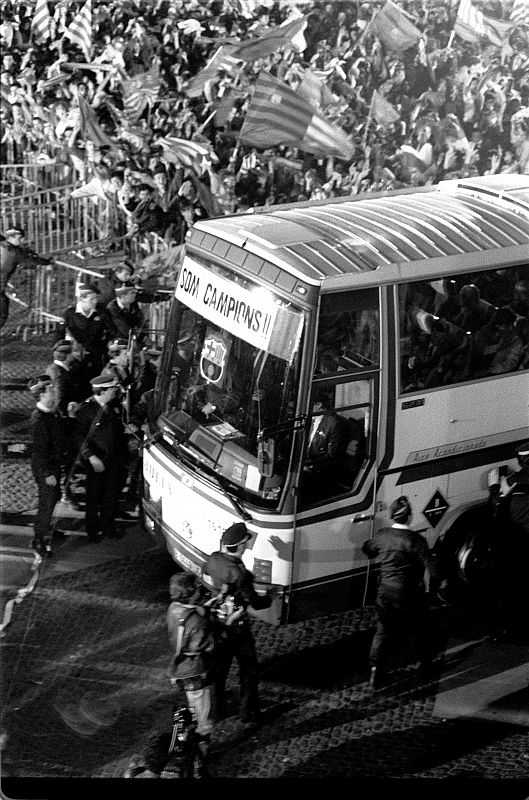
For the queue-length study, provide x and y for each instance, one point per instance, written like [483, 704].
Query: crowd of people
[460, 108]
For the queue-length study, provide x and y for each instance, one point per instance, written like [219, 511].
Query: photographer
[234, 633]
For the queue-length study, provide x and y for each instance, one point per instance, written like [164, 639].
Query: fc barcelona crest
[213, 359]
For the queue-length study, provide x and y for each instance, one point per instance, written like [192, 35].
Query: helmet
[523, 454]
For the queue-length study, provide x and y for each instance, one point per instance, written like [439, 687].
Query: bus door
[335, 497]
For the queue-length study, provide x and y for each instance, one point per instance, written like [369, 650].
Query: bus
[322, 359]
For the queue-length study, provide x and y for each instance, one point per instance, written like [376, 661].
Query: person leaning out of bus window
[326, 446]
[401, 602]
[475, 312]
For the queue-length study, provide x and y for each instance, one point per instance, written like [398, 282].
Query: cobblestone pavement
[84, 682]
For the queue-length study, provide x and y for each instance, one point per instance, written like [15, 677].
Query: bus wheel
[477, 558]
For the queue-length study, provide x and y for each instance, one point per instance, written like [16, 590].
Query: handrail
[16, 199]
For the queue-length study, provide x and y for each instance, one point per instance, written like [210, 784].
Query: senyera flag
[278, 115]
[80, 30]
[140, 91]
[184, 153]
[289, 34]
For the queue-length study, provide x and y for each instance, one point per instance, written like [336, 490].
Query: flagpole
[369, 116]
[451, 39]
[204, 124]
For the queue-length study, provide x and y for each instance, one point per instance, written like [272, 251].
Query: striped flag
[393, 28]
[221, 59]
[80, 30]
[184, 153]
[89, 126]
[520, 12]
[139, 92]
[472, 25]
[278, 115]
[41, 22]
[284, 35]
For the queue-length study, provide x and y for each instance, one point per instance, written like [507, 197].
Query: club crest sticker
[214, 358]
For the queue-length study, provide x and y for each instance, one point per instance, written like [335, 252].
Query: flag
[472, 25]
[221, 59]
[382, 110]
[393, 28]
[278, 115]
[206, 198]
[225, 106]
[520, 12]
[80, 30]
[41, 22]
[184, 153]
[274, 39]
[138, 92]
[89, 126]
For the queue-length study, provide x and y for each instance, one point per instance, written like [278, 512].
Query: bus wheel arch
[468, 552]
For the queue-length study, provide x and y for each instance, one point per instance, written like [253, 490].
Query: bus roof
[363, 233]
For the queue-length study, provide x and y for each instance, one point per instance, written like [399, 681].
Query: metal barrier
[54, 222]
[32, 175]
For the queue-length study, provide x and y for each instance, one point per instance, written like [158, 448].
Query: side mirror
[265, 457]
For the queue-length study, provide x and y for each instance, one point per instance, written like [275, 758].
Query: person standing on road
[192, 642]
[48, 445]
[84, 325]
[234, 633]
[12, 255]
[102, 448]
[401, 601]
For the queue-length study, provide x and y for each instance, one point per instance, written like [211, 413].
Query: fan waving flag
[41, 22]
[278, 115]
[393, 28]
[80, 31]
[222, 59]
[285, 35]
[139, 92]
[184, 153]
[472, 25]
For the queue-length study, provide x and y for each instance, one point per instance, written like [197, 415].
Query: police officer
[192, 642]
[13, 255]
[517, 487]
[102, 447]
[64, 372]
[234, 633]
[401, 599]
[46, 457]
[84, 324]
[123, 314]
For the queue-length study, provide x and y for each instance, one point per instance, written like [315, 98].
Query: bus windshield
[230, 371]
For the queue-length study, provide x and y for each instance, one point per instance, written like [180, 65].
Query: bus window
[468, 327]
[339, 441]
[348, 332]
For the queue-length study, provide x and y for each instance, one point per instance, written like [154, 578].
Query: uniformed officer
[123, 314]
[102, 447]
[13, 254]
[64, 372]
[235, 638]
[84, 324]
[401, 600]
[46, 457]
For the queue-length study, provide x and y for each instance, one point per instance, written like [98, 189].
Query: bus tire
[469, 555]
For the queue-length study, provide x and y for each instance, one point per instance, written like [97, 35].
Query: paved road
[84, 682]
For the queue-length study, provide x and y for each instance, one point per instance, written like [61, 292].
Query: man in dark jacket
[84, 324]
[192, 643]
[234, 637]
[102, 446]
[13, 255]
[46, 458]
[401, 599]
[123, 315]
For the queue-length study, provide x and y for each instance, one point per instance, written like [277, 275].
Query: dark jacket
[404, 556]
[100, 432]
[12, 257]
[197, 644]
[48, 444]
[227, 569]
[327, 443]
[90, 332]
[120, 321]
[68, 387]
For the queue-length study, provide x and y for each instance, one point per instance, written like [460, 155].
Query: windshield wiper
[202, 465]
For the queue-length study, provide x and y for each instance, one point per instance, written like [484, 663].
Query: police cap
[14, 231]
[63, 346]
[104, 381]
[85, 289]
[125, 288]
[235, 535]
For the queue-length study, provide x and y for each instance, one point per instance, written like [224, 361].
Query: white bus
[322, 359]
